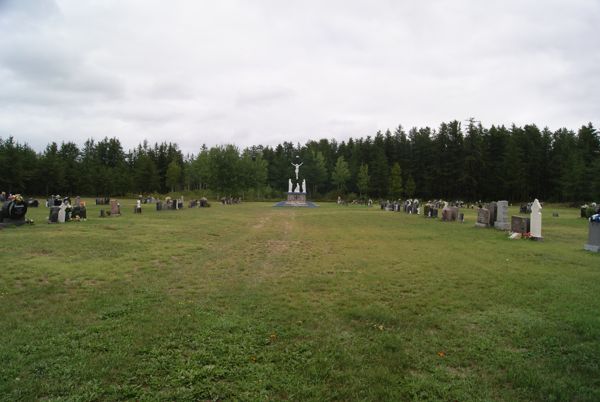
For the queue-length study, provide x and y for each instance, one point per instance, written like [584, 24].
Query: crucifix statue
[297, 168]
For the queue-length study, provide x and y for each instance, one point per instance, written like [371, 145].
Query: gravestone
[493, 208]
[449, 214]
[454, 214]
[138, 207]
[77, 201]
[114, 207]
[483, 218]
[53, 216]
[102, 214]
[159, 205]
[593, 243]
[502, 222]
[519, 224]
[536, 220]
[62, 213]
[13, 212]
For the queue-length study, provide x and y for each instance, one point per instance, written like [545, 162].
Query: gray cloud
[269, 71]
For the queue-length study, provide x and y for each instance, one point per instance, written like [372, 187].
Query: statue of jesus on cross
[297, 168]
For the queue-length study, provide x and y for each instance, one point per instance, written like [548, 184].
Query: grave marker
[502, 222]
[519, 224]
[115, 207]
[536, 220]
[483, 218]
[62, 213]
[593, 243]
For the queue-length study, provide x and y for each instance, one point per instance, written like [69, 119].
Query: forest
[454, 161]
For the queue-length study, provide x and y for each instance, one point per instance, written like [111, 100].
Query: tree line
[454, 161]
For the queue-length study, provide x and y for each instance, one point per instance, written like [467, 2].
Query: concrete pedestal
[296, 200]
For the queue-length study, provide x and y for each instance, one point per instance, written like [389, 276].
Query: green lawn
[251, 302]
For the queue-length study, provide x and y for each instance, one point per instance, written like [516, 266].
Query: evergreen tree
[411, 186]
[362, 180]
[396, 181]
[53, 169]
[472, 172]
[340, 174]
[70, 159]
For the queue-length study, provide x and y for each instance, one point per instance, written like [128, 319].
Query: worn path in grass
[250, 302]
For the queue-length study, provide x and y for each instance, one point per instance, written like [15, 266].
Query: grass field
[250, 302]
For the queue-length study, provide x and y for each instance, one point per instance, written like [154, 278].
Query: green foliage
[470, 162]
[411, 186]
[315, 170]
[340, 174]
[396, 188]
[173, 175]
[362, 180]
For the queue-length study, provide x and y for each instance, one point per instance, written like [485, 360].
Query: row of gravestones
[115, 209]
[408, 206]
[170, 204]
[62, 211]
[495, 214]
[449, 213]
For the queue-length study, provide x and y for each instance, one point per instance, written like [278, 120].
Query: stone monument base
[296, 200]
[502, 225]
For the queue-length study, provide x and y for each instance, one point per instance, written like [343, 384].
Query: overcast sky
[263, 72]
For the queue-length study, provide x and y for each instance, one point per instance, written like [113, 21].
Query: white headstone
[62, 213]
[536, 220]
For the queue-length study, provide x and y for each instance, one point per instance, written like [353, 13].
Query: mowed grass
[250, 302]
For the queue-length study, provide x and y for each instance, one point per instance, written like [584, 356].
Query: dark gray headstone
[519, 224]
[493, 208]
[483, 218]
[53, 217]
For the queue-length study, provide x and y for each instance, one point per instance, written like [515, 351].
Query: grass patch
[251, 302]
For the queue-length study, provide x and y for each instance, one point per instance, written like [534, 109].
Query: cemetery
[307, 201]
[177, 303]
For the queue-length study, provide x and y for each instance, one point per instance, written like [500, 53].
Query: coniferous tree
[411, 186]
[340, 174]
[396, 188]
[362, 180]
